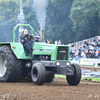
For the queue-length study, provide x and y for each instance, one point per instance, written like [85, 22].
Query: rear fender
[17, 49]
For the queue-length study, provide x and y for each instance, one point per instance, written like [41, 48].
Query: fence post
[96, 64]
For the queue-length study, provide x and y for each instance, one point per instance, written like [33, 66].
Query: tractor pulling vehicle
[47, 60]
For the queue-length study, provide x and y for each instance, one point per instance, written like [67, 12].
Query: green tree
[8, 13]
[58, 23]
[85, 15]
[9, 10]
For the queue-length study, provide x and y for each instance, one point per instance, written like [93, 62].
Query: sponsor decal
[41, 50]
[62, 51]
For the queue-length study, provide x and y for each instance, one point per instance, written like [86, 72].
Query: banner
[88, 61]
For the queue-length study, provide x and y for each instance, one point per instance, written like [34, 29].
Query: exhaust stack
[42, 35]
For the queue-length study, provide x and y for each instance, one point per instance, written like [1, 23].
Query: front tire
[10, 66]
[38, 73]
[74, 79]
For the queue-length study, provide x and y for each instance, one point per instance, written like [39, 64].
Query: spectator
[72, 45]
[48, 42]
[98, 44]
[83, 54]
[59, 42]
[72, 54]
[91, 47]
[51, 41]
[77, 54]
[82, 48]
[88, 47]
[92, 54]
[93, 44]
[55, 42]
[74, 48]
[88, 54]
[86, 42]
[97, 53]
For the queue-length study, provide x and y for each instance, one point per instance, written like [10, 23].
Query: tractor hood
[57, 52]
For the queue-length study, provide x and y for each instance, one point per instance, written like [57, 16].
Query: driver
[26, 41]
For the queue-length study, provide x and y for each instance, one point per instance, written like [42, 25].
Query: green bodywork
[39, 48]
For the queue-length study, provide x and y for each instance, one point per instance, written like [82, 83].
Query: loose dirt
[57, 90]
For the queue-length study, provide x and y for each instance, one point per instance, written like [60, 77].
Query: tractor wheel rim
[35, 74]
[3, 68]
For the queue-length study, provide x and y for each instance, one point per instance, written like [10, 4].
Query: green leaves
[85, 17]
[67, 20]
[9, 10]
[58, 23]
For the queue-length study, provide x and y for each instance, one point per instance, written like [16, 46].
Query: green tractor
[47, 60]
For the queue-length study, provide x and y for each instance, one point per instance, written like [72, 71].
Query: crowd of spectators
[38, 39]
[87, 50]
[56, 42]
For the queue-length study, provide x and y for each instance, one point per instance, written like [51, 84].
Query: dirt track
[57, 90]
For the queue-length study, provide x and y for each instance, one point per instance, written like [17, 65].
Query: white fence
[79, 43]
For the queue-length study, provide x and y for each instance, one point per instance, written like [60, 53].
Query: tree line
[67, 20]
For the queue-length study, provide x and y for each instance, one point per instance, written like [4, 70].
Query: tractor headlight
[58, 63]
[67, 63]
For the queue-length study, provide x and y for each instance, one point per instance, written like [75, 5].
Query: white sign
[88, 61]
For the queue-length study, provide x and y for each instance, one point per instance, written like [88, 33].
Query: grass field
[93, 79]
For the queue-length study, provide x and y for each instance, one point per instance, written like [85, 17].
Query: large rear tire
[38, 73]
[10, 66]
[76, 77]
[49, 78]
